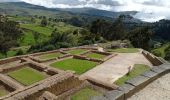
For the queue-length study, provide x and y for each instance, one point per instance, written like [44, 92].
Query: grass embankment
[125, 50]
[160, 52]
[50, 56]
[76, 51]
[77, 65]
[85, 94]
[137, 70]
[27, 75]
[95, 55]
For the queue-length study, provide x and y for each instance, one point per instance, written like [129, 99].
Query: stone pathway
[115, 68]
[158, 90]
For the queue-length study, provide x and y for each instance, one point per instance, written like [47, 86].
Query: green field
[76, 51]
[85, 94]
[137, 70]
[96, 55]
[37, 28]
[125, 50]
[27, 75]
[50, 55]
[77, 65]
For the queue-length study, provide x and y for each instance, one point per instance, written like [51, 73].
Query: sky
[149, 10]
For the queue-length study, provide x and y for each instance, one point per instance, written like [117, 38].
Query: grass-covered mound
[125, 50]
[137, 70]
[50, 55]
[85, 94]
[95, 55]
[76, 51]
[27, 75]
[77, 65]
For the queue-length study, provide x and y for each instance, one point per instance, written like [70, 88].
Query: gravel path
[158, 90]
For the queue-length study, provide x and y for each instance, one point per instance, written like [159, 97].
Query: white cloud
[149, 10]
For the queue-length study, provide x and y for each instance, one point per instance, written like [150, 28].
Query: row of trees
[139, 36]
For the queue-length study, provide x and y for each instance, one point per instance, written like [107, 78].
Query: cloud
[149, 10]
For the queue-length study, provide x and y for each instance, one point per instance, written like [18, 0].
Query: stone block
[137, 80]
[165, 66]
[115, 95]
[127, 89]
[99, 98]
[149, 74]
[158, 69]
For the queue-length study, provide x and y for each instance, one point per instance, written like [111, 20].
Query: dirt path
[116, 67]
[158, 90]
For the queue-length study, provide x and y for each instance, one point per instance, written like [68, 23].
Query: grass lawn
[50, 55]
[27, 75]
[137, 70]
[95, 55]
[77, 65]
[3, 91]
[76, 51]
[125, 50]
[85, 94]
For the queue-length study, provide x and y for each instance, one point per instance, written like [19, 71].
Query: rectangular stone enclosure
[27, 74]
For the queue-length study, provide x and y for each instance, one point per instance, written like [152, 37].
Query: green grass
[95, 55]
[160, 51]
[76, 51]
[85, 94]
[77, 65]
[37, 28]
[3, 91]
[27, 75]
[50, 55]
[137, 70]
[27, 39]
[125, 50]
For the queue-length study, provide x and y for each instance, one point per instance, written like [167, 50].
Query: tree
[44, 22]
[117, 30]
[140, 37]
[10, 32]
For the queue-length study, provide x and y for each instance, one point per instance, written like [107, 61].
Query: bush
[20, 52]
[157, 53]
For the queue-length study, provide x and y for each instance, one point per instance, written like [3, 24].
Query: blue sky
[149, 10]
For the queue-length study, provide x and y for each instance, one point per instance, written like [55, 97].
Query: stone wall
[136, 84]
[153, 59]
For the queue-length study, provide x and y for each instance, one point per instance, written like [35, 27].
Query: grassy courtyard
[137, 70]
[50, 56]
[76, 51]
[84, 94]
[125, 50]
[77, 65]
[95, 55]
[27, 75]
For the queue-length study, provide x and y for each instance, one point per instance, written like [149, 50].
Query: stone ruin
[60, 85]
